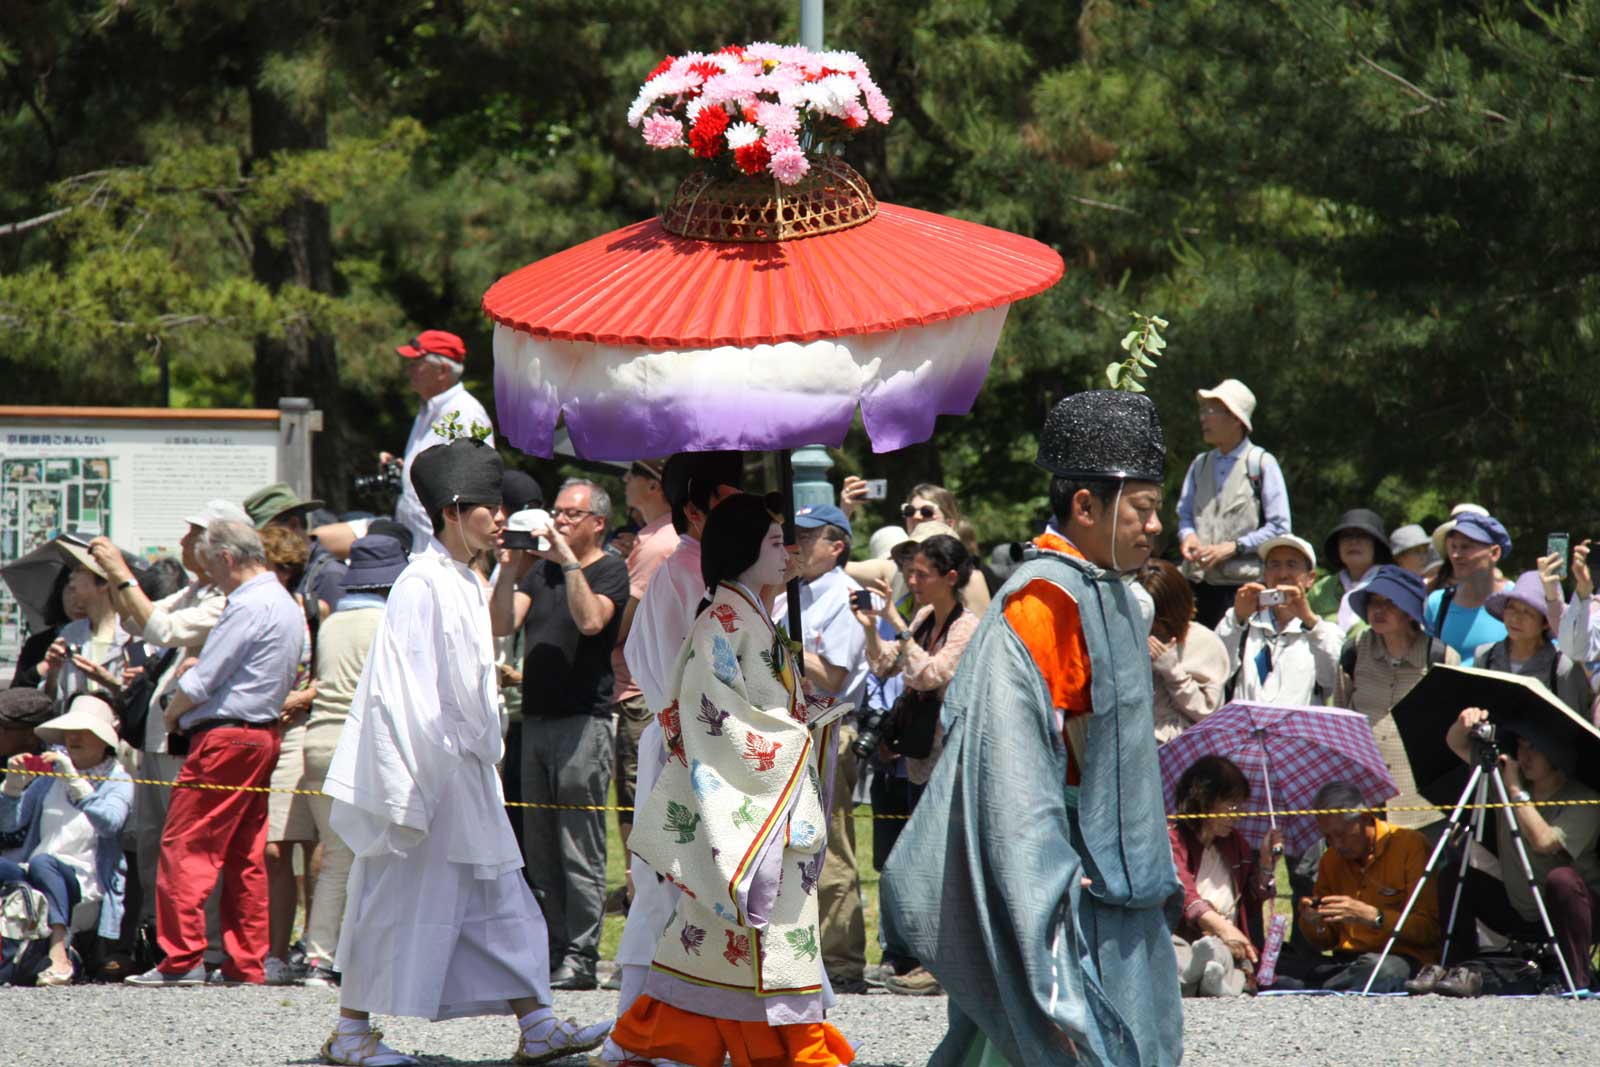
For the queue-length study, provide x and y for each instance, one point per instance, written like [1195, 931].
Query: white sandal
[368, 1051]
[557, 1039]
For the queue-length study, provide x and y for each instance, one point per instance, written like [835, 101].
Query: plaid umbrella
[1287, 753]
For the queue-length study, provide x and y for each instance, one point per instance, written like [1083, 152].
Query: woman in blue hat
[1381, 664]
[1456, 615]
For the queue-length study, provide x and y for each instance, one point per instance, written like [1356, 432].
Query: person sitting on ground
[1233, 501]
[1411, 548]
[1284, 653]
[1562, 841]
[1357, 544]
[1473, 545]
[1218, 937]
[1527, 649]
[1188, 661]
[1381, 664]
[1363, 882]
[72, 851]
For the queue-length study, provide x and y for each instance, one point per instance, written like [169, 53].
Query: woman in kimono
[736, 821]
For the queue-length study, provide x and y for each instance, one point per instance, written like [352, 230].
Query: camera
[877, 488]
[877, 728]
[518, 532]
[1483, 733]
[387, 480]
[861, 600]
[1270, 598]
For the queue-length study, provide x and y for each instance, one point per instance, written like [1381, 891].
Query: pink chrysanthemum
[789, 167]
[770, 116]
[662, 131]
[781, 141]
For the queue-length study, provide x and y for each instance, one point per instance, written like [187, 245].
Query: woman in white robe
[737, 822]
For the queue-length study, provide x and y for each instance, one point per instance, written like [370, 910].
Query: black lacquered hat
[461, 472]
[1104, 433]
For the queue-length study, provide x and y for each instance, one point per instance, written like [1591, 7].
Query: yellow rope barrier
[860, 815]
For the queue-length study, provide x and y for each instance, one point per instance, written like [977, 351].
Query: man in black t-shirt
[568, 599]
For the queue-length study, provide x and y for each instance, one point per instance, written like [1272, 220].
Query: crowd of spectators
[236, 664]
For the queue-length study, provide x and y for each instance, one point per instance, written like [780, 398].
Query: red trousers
[212, 833]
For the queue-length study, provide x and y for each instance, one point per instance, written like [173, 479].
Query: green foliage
[1375, 215]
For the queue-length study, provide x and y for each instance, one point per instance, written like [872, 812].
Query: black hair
[1062, 490]
[947, 554]
[732, 540]
[162, 578]
[1208, 780]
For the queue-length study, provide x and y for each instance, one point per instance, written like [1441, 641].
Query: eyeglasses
[927, 511]
[570, 513]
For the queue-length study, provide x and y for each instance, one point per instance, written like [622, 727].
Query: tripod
[1485, 769]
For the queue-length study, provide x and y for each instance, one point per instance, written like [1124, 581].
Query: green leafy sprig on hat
[449, 428]
[1143, 344]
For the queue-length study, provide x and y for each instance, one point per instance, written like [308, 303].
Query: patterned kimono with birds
[737, 821]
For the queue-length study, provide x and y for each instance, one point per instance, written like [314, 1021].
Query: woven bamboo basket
[831, 197]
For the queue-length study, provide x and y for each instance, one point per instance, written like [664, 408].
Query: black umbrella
[33, 577]
[1518, 706]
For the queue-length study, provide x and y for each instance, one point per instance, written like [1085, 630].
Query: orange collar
[1054, 542]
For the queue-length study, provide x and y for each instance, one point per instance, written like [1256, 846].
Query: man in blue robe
[1032, 879]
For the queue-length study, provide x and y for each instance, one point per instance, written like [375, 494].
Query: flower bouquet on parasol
[758, 108]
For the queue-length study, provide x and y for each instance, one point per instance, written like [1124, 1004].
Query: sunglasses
[927, 511]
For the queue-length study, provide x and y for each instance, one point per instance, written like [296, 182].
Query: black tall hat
[1104, 433]
[461, 472]
[712, 468]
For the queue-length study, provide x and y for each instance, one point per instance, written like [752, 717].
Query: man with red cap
[434, 362]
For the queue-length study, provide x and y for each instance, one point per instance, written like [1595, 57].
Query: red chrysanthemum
[661, 68]
[752, 158]
[749, 112]
[705, 68]
[705, 136]
[731, 50]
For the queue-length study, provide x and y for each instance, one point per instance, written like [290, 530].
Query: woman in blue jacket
[72, 851]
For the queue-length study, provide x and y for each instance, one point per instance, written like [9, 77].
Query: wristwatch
[568, 568]
[128, 583]
[1521, 796]
[1377, 920]
[902, 635]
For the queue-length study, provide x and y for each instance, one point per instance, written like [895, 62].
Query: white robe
[439, 922]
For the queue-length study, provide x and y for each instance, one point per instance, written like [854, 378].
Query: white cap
[1236, 397]
[1299, 544]
[1450, 524]
[218, 511]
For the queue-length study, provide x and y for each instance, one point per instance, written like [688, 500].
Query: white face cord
[1116, 515]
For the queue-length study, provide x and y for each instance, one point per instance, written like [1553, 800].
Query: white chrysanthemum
[641, 103]
[693, 110]
[845, 61]
[741, 134]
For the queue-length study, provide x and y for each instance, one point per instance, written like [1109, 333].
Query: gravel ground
[111, 1026]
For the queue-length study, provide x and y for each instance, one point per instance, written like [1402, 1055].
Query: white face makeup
[769, 565]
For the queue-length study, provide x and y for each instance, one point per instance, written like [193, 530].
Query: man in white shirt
[435, 361]
[835, 650]
[439, 922]
[1283, 653]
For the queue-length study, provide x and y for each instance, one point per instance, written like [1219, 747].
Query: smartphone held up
[1559, 544]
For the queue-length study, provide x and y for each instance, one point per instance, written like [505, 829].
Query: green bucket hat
[273, 502]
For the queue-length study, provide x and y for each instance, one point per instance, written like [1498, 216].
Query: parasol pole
[786, 482]
[811, 24]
